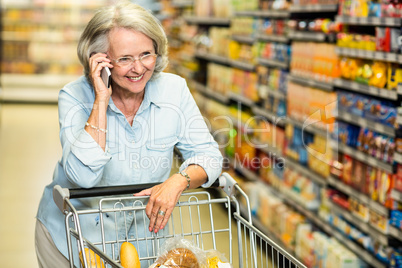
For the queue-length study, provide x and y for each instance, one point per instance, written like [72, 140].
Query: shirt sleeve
[83, 159]
[196, 142]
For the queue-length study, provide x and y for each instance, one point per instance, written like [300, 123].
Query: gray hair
[126, 15]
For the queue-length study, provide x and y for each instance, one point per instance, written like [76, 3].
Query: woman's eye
[124, 59]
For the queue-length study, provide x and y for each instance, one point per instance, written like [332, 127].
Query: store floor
[29, 150]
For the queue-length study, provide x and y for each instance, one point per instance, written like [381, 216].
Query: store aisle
[29, 150]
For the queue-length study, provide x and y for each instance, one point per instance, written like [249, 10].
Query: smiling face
[130, 43]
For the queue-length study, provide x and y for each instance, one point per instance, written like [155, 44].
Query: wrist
[186, 180]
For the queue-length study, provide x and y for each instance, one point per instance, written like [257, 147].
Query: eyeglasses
[146, 60]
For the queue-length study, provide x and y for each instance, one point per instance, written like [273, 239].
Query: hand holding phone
[106, 76]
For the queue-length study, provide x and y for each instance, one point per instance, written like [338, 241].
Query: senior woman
[125, 134]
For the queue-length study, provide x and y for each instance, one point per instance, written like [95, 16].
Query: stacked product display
[303, 98]
[41, 36]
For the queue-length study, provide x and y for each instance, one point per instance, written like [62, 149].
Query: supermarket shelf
[276, 120]
[397, 195]
[365, 158]
[361, 225]
[398, 159]
[307, 36]
[342, 238]
[246, 39]
[37, 88]
[212, 57]
[241, 99]
[241, 126]
[272, 38]
[311, 83]
[268, 149]
[346, 189]
[306, 126]
[360, 121]
[242, 65]
[369, 21]
[213, 94]
[368, 54]
[370, 90]
[225, 61]
[276, 94]
[264, 13]
[305, 171]
[207, 21]
[248, 174]
[271, 235]
[395, 232]
[326, 227]
[313, 8]
[182, 3]
[273, 63]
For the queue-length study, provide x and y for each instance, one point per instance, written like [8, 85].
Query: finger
[159, 220]
[153, 218]
[166, 218]
[146, 192]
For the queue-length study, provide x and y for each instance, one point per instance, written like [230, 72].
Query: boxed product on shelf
[245, 26]
[373, 73]
[311, 106]
[272, 51]
[240, 5]
[315, 60]
[219, 78]
[356, 41]
[301, 189]
[320, 156]
[318, 250]
[271, 135]
[383, 112]
[359, 209]
[366, 140]
[380, 222]
[219, 41]
[366, 8]
[244, 83]
[398, 177]
[272, 27]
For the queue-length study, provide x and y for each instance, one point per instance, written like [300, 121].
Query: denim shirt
[137, 154]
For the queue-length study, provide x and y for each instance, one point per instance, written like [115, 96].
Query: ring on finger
[162, 213]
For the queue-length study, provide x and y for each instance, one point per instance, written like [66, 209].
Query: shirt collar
[151, 96]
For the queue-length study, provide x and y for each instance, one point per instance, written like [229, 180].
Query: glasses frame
[134, 59]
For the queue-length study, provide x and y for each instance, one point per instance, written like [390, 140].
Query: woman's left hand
[163, 198]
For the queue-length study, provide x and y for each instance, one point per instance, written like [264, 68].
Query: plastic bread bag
[215, 259]
[181, 253]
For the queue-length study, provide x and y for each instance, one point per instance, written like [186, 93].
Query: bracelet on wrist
[96, 128]
[185, 175]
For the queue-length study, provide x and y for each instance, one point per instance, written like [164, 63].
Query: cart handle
[225, 182]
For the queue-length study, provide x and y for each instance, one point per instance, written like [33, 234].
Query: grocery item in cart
[180, 252]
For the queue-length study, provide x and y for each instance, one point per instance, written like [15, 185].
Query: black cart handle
[225, 182]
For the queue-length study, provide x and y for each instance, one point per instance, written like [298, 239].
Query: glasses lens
[148, 59]
[124, 61]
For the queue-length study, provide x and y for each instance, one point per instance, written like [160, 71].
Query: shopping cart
[194, 218]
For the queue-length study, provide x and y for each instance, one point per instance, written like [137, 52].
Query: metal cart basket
[194, 218]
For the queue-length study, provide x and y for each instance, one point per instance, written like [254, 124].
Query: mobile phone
[106, 76]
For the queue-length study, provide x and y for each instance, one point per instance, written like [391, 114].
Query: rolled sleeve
[211, 165]
[88, 151]
[84, 165]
